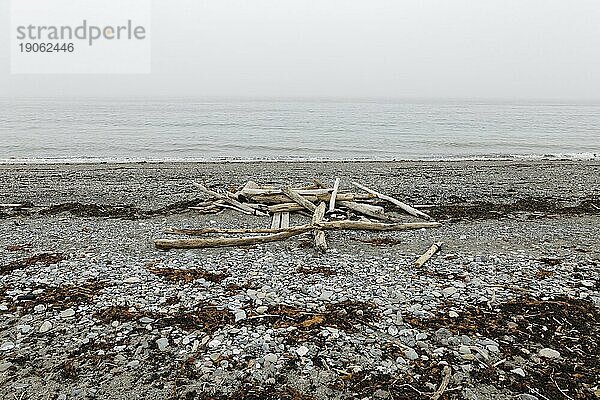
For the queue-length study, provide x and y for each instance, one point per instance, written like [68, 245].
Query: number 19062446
[46, 47]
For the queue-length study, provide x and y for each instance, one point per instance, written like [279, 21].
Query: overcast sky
[509, 49]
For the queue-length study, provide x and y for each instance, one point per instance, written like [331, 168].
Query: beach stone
[7, 346]
[464, 349]
[261, 309]
[146, 320]
[68, 313]
[271, 357]
[449, 291]
[240, 315]
[326, 295]
[525, 396]
[518, 371]
[411, 354]
[5, 366]
[214, 343]
[133, 364]
[493, 348]
[549, 353]
[302, 351]
[39, 308]
[162, 343]
[133, 279]
[26, 329]
[453, 314]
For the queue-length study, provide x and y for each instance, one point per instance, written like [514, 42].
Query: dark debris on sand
[43, 259]
[188, 275]
[526, 325]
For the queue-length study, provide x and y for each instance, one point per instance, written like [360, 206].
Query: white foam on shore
[139, 160]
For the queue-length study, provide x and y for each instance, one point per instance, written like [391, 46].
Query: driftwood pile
[329, 208]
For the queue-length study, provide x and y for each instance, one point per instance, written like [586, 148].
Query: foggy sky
[507, 49]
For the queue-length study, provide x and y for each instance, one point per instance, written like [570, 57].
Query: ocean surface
[88, 130]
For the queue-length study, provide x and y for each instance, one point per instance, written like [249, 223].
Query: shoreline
[586, 157]
[91, 308]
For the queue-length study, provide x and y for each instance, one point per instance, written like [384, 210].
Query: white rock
[262, 309]
[392, 330]
[133, 364]
[5, 366]
[146, 320]
[133, 279]
[68, 313]
[493, 348]
[548, 353]
[162, 343]
[214, 343]
[26, 329]
[7, 346]
[464, 349]
[272, 358]
[302, 351]
[518, 371]
[453, 314]
[39, 308]
[326, 295]
[240, 315]
[449, 291]
[411, 354]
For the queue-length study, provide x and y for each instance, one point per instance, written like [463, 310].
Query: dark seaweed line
[476, 210]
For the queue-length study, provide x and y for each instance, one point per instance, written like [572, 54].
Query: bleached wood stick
[366, 209]
[320, 241]
[285, 207]
[404, 206]
[292, 194]
[276, 221]
[229, 200]
[429, 253]
[286, 233]
[226, 241]
[446, 373]
[285, 220]
[238, 209]
[249, 192]
[280, 198]
[375, 226]
[336, 186]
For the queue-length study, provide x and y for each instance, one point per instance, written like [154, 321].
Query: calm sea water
[186, 129]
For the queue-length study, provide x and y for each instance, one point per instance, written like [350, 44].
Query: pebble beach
[507, 309]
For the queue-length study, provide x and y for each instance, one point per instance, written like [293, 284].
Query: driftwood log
[295, 196]
[334, 193]
[281, 233]
[404, 206]
[320, 242]
[428, 254]
[232, 202]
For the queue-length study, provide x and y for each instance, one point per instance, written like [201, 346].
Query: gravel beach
[508, 309]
